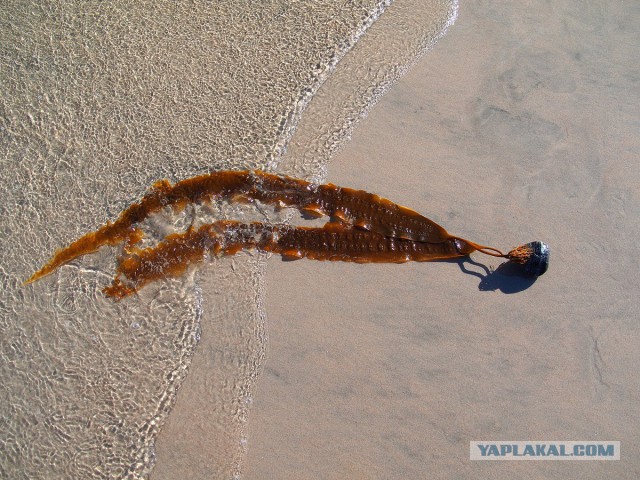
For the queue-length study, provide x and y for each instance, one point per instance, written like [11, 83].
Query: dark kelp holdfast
[533, 257]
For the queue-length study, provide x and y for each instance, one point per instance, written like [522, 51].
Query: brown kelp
[364, 228]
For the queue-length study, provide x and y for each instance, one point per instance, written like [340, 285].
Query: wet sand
[520, 125]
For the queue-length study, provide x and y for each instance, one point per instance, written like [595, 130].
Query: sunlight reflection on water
[101, 101]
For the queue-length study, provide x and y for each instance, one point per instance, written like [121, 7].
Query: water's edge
[99, 104]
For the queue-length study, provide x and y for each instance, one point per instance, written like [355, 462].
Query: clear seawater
[101, 99]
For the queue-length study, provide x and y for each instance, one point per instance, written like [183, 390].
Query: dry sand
[521, 125]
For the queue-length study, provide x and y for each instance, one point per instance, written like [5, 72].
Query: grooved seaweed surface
[99, 100]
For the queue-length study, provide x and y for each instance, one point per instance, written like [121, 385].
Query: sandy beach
[520, 125]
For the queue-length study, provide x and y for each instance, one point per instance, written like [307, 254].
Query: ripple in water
[100, 99]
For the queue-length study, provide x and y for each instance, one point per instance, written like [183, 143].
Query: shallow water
[100, 100]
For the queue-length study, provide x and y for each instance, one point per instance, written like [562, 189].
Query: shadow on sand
[508, 277]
